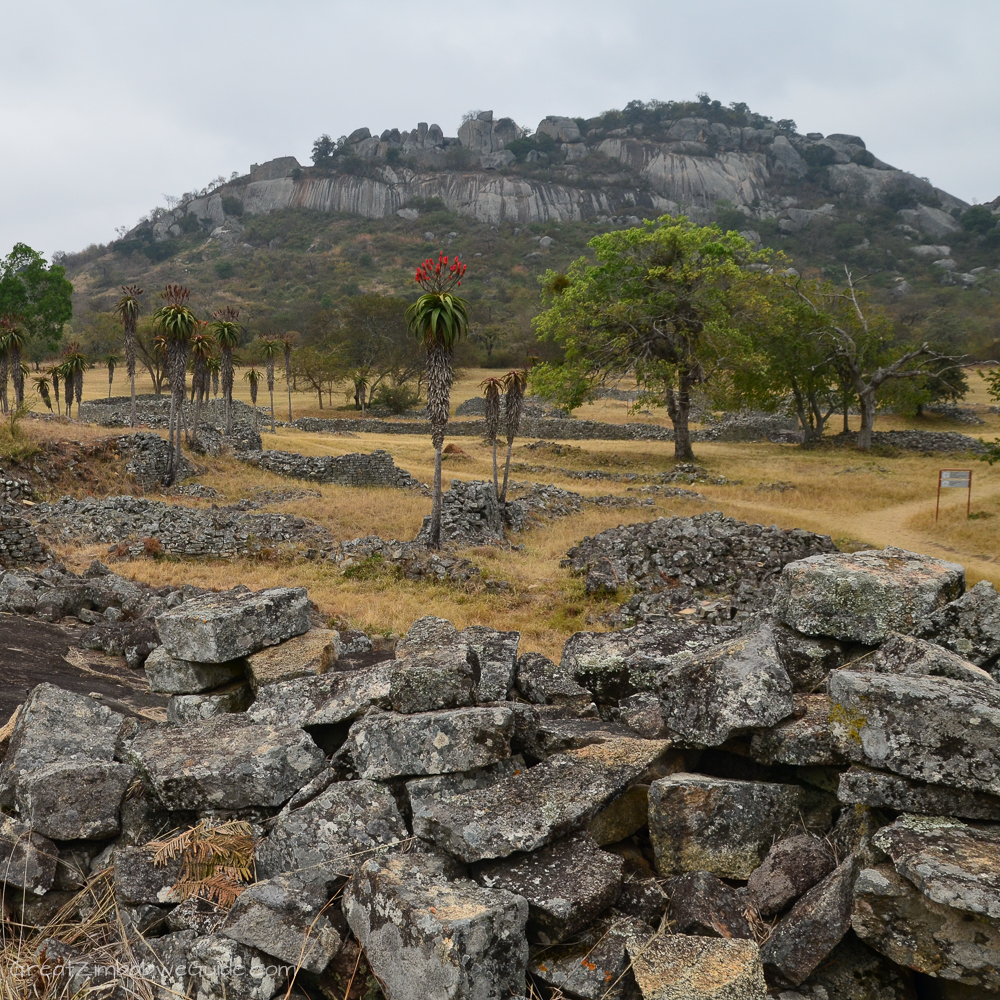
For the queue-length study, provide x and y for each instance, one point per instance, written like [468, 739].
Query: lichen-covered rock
[933, 729]
[808, 659]
[284, 917]
[546, 683]
[698, 823]
[313, 652]
[428, 932]
[336, 696]
[140, 880]
[56, 725]
[791, 867]
[860, 786]
[217, 628]
[567, 884]
[804, 740]
[856, 971]
[497, 653]
[223, 969]
[595, 965]
[970, 625]
[168, 675]
[225, 763]
[559, 735]
[387, 745]
[74, 800]
[685, 967]
[539, 805]
[893, 916]
[812, 928]
[422, 791]
[902, 654]
[27, 859]
[187, 708]
[435, 669]
[863, 596]
[948, 861]
[737, 685]
[705, 906]
[616, 665]
[332, 833]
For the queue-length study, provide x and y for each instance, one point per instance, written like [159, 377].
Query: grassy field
[884, 498]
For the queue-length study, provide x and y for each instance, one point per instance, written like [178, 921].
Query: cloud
[109, 105]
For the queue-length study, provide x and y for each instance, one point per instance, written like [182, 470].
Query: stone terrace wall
[376, 469]
[552, 427]
[18, 542]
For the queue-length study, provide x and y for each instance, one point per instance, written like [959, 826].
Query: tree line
[691, 310]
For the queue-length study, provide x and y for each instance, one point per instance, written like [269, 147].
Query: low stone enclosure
[804, 803]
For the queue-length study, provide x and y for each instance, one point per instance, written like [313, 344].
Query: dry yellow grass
[875, 499]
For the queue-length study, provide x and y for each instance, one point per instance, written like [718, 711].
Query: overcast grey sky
[105, 106]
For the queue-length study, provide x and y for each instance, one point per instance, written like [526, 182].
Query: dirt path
[888, 526]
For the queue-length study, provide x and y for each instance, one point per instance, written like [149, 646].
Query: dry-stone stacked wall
[795, 806]
[374, 469]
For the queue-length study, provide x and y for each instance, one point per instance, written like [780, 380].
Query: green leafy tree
[666, 303]
[316, 368]
[39, 293]
[127, 310]
[439, 319]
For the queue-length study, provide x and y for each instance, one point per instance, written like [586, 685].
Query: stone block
[74, 800]
[428, 932]
[324, 700]
[539, 805]
[186, 708]
[699, 823]
[217, 628]
[497, 653]
[813, 927]
[683, 967]
[863, 596]
[738, 685]
[622, 818]
[705, 906]
[932, 729]
[893, 916]
[567, 884]
[56, 725]
[225, 763]
[804, 740]
[859, 786]
[969, 626]
[224, 969]
[313, 652]
[387, 745]
[138, 879]
[332, 833]
[284, 917]
[27, 859]
[168, 675]
[792, 866]
[546, 683]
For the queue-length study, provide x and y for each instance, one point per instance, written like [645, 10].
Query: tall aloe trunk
[440, 375]
[227, 386]
[17, 374]
[4, 378]
[288, 378]
[270, 386]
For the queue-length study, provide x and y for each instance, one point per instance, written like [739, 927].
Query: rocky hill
[379, 202]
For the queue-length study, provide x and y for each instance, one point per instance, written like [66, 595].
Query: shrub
[979, 219]
[396, 398]
[232, 205]
[224, 269]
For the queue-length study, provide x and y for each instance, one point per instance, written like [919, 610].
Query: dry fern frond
[216, 861]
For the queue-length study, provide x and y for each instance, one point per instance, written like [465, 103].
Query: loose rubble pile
[137, 526]
[805, 805]
[375, 469]
[681, 559]
[752, 425]
[925, 441]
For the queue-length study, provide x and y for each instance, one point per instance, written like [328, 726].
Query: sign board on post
[954, 479]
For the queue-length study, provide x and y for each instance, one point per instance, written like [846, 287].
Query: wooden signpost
[960, 479]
